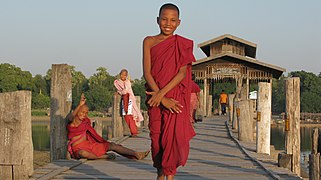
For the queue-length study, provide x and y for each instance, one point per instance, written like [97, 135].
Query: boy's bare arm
[158, 96]
[81, 103]
[147, 64]
[170, 104]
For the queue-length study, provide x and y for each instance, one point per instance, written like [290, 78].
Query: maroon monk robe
[171, 132]
[85, 129]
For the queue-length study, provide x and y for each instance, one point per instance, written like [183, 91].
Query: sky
[35, 34]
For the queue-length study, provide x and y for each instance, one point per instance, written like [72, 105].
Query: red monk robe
[171, 132]
[94, 143]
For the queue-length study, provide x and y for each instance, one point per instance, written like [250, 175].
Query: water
[278, 140]
[41, 134]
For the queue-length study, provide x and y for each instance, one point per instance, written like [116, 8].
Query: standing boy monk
[84, 142]
[167, 60]
[131, 112]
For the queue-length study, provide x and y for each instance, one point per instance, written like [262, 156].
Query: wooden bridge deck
[213, 155]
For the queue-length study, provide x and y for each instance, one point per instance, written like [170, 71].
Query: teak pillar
[16, 148]
[60, 106]
[263, 131]
[292, 137]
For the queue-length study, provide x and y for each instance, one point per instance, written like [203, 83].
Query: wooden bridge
[214, 154]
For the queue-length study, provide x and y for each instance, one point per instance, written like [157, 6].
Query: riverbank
[47, 118]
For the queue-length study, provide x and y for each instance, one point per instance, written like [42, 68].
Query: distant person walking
[223, 102]
[195, 99]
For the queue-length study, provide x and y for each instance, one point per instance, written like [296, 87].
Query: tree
[99, 98]
[40, 101]
[78, 81]
[12, 78]
[138, 87]
[40, 85]
[278, 95]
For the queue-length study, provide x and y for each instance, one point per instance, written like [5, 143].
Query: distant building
[233, 59]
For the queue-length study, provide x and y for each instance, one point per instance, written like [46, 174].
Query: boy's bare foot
[111, 156]
[160, 175]
[142, 155]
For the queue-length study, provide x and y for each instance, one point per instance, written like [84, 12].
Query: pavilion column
[247, 86]
[205, 92]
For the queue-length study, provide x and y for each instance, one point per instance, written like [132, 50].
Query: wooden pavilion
[230, 57]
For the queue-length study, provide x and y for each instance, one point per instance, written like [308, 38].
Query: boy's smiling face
[83, 112]
[123, 76]
[168, 21]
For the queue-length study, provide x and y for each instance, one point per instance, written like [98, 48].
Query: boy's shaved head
[168, 6]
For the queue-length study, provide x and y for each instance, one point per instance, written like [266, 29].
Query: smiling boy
[167, 60]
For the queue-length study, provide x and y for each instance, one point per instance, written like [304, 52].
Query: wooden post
[60, 106]
[314, 166]
[117, 124]
[146, 119]
[235, 115]
[263, 130]
[200, 109]
[209, 106]
[314, 157]
[205, 97]
[230, 106]
[245, 130]
[16, 149]
[219, 107]
[138, 106]
[98, 126]
[292, 136]
[252, 110]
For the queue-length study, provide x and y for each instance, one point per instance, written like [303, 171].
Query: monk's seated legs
[129, 153]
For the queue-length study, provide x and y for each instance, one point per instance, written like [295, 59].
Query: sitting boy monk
[84, 142]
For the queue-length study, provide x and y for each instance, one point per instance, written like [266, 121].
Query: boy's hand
[82, 99]
[172, 105]
[156, 98]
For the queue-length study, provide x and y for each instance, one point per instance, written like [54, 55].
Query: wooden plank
[213, 155]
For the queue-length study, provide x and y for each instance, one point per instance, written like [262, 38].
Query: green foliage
[138, 87]
[40, 101]
[278, 95]
[99, 98]
[39, 112]
[310, 92]
[12, 78]
[99, 89]
[40, 85]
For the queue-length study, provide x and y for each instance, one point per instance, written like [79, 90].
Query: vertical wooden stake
[245, 122]
[16, 148]
[205, 97]
[263, 131]
[117, 125]
[209, 106]
[293, 114]
[230, 106]
[60, 106]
